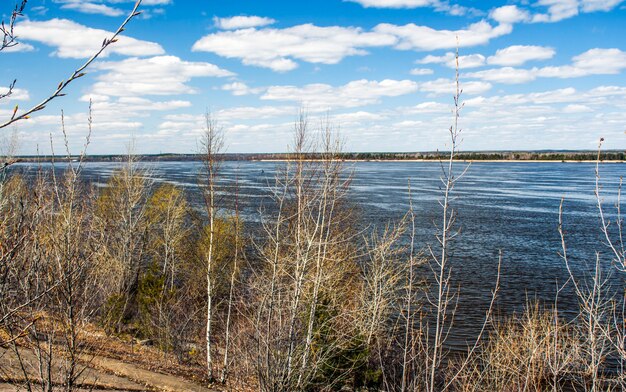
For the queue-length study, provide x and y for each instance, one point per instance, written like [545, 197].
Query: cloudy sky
[536, 74]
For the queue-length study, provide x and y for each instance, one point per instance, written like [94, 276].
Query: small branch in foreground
[9, 38]
[78, 73]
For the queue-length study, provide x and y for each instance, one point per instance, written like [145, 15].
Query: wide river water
[510, 207]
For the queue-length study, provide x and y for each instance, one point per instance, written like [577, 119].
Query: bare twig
[9, 38]
[78, 73]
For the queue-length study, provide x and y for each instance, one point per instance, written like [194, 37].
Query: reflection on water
[512, 207]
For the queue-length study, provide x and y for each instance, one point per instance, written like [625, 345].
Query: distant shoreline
[456, 160]
[609, 156]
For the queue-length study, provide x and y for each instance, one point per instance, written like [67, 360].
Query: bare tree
[233, 276]
[72, 251]
[443, 296]
[120, 214]
[212, 145]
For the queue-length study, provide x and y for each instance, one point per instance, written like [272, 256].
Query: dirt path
[101, 374]
[152, 380]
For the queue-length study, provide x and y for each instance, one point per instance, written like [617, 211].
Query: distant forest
[578, 156]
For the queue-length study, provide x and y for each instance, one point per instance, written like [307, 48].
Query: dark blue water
[510, 207]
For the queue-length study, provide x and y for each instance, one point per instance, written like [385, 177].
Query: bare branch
[78, 73]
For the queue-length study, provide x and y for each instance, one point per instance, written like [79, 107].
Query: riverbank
[609, 156]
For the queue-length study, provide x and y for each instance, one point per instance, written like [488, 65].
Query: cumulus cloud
[505, 75]
[144, 2]
[448, 86]
[161, 75]
[242, 22]
[597, 96]
[255, 113]
[278, 48]
[520, 54]
[125, 107]
[77, 123]
[424, 38]
[550, 10]
[595, 61]
[599, 5]
[437, 5]
[557, 10]
[428, 107]
[18, 94]
[421, 71]
[92, 8]
[592, 62]
[449, 60]
[577, 108]
[396, 3]
[354, 94]
[509, 14]
[73, 40]
[540, 112]
[509, 56]
[357, 117]
[239, 89]
[20, 47]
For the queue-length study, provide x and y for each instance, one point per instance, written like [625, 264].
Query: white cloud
[428, 107]
[278, 48]
[424, 38]
[357, 117]
[506, 75]
[255, 113]
[239, 89]
[448, 86]
[592, 62]
[242, 22]
[557, 10]
[599, 5]
[356, 93]
[143, 3]
[17, 94]
[20, 47]
[78, 123]
[510, 56]
[421, 71]
[92, 8]
[73, 40]
[520, 54]
[449, 60]
[396, 3]
[437, 5]
[598, 96]
[162, 75]
[509, 14]
[595, 61]
[563, 118]
[576, 108]
[126, 107]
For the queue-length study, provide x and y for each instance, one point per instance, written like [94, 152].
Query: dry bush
[533, 351]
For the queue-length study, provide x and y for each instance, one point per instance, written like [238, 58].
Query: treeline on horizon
[565, 156]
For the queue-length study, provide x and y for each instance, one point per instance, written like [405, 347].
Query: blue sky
[536, 74]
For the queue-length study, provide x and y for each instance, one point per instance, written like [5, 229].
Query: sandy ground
[100, 374]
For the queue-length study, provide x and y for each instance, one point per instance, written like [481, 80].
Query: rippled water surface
[510, 207]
